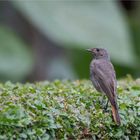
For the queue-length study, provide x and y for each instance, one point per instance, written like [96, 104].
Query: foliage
[67, 110]
[82, 24]
[16, 60]
[72, 25]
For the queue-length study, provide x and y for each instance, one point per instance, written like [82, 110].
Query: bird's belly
[95, 82]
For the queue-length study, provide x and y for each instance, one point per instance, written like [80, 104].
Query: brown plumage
[103, 78]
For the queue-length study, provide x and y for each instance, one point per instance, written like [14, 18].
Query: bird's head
[99, 53]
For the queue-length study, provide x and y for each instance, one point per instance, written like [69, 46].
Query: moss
[67, 110]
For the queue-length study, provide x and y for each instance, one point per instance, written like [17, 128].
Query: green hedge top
[67, 110]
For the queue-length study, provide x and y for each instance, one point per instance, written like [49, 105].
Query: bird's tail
[115, 113]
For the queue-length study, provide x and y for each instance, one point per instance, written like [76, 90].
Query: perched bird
[103, 77]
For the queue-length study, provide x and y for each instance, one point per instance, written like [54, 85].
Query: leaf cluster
[67, 110]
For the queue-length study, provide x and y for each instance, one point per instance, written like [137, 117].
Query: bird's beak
[89, 50]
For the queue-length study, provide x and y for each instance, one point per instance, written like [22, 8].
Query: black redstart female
[103, 77]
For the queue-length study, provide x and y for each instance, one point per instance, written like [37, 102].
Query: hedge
[68, 110]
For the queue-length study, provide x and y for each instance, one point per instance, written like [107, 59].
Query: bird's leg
[102, 100]
[104, 103]
[106, 106]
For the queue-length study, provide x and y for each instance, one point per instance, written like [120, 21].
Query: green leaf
[82, 24]
[81, 116]
[15, 57]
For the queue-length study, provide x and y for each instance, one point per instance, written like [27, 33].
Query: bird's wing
[105, 75]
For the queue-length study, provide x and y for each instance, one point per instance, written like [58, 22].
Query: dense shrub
[67, 110]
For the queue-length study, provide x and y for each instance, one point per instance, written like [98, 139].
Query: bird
[103, 77]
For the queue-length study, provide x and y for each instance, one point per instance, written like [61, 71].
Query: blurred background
[46, 40]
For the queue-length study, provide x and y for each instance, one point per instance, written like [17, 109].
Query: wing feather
[104, 76]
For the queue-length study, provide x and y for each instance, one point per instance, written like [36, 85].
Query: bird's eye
[97, 50]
